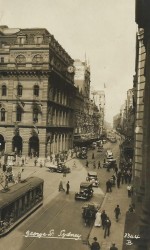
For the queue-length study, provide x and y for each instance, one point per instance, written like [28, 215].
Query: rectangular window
[2, 59]
[35, 117]
[18, 116]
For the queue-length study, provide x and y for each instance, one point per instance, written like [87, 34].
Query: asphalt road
[60, 211]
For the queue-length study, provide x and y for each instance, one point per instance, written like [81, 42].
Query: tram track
[50, 223]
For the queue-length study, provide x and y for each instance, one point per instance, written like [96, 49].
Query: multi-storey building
[139, 222]
[99, 99]
[36, 93]
[85, 113]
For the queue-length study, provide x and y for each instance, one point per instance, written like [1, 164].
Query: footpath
[118, 196]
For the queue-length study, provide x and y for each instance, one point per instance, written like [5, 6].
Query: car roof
[85, 184]
[92, 173]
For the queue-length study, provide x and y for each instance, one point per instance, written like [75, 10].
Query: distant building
[99, 99]
[86, 113]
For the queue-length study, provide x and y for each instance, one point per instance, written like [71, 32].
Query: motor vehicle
[89, 211]
[109, 154]
[110, 163]
[12, 208]
[60, 168]
[100, 148]
[52, 168]
[92, 177]
[86, 191]
[82, 155]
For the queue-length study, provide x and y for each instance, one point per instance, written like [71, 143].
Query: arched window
[3, 114]
[4, 90]
[20, 59]
[36, 90]
[19, 90]
[37, 59]
[18, 114]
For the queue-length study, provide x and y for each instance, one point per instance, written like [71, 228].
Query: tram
[18, 202]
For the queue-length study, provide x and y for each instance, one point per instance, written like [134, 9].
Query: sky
[102, 31]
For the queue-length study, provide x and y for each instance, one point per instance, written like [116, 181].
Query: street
[60, 211]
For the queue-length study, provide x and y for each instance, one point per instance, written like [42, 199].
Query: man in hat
[95, 245]
[113, 247]
[107, 227]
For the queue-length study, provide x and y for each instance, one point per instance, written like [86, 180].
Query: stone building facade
[36, 93]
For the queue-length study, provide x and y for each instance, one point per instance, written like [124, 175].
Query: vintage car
[110, 163]
[92, 177]
[89, 211]
[60, 168]
[86, 191]
[82, 155]
[109, 154]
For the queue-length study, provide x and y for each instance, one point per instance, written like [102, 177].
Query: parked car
[92, 177]
[86, 191]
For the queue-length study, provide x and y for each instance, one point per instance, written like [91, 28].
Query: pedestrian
[103, 218]
[99, 165]
[22, 161]
[98, 220]
[129, 189]
[117, 212]
[67, 187]
[87, 164]
[107, 227]
[108, 186]
[93, 156]
[116, 169]
[129, 177]
[60, 188]
[118, 182]
[19, 177]
[4, 168]
[94, 165]
[35, 162]
[113, 247]
[95, 245]
[122, 177]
